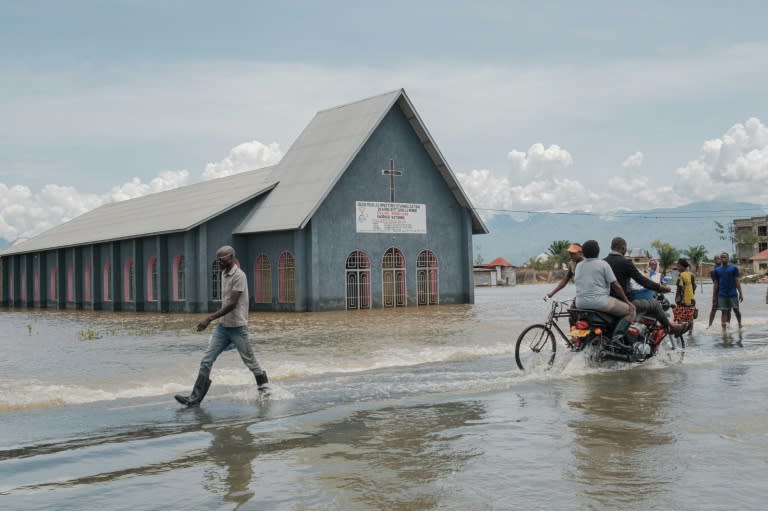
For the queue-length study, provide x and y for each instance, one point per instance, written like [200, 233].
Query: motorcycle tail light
[582, 325]
[598, 331]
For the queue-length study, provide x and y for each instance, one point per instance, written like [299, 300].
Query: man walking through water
[713, 276]
[233, 328]
[728, 291]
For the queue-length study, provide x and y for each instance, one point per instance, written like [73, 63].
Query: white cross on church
[391, 172]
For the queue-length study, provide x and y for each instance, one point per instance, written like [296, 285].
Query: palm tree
[667, 254]
[696, 254]
[558, 249]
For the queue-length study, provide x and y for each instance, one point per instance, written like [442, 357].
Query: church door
[393, 279]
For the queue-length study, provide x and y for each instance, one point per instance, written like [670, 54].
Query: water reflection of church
[363, 211]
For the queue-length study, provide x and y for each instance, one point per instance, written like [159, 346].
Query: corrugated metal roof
[499, 261]
[298, 184]
[174, 210]
[322, 153]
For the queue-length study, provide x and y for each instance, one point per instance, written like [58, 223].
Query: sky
[537, 106]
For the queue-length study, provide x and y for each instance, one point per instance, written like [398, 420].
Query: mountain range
[527, 235]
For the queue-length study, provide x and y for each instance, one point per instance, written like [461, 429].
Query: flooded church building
[362, 212]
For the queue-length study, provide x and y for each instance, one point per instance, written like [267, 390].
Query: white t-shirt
[593, 281]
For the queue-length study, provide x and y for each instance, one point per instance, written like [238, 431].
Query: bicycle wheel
[535, 347]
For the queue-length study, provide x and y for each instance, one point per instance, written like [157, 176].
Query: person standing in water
[684, 310]
[713, 312]
[231, 329]
[728, 290]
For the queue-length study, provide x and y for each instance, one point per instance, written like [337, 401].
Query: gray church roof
[174, 210]
[297, 185]
[321, 154]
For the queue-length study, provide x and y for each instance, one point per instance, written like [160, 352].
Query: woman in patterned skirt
[684, 310]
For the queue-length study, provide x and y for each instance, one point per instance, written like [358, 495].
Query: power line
[676, 215]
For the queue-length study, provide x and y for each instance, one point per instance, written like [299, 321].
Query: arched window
[106, 282]
[87, 282]
[70, 283]
[53, 284]
[36, 286]
[426, 278]
[152, 282]
[179, 282]
[262, 280]
[358, 280]
[393, 279]
[216, 281]
[129, 282]
[287, 278]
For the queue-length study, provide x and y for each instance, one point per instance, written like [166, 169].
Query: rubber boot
[202, 384]
[261, 381]
[618, 333]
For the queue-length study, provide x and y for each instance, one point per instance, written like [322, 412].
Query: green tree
[667, 254]
[558, 249]
[726, 232]
[695, 254]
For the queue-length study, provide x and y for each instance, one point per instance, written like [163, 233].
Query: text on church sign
[391, 217]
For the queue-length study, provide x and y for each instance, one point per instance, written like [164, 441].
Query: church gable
[324, 151]
[339, 235]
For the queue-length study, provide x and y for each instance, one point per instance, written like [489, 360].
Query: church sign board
[391, 217]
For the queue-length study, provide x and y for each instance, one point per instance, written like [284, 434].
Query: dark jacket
[625, 270]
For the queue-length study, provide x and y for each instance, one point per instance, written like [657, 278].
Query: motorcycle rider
[625, 271]
[595, 283]
[576, 255]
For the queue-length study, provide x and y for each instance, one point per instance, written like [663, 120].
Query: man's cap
[574, 248]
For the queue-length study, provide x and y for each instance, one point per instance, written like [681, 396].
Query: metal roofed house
[760, 262]
[362, 211]
[498, 272]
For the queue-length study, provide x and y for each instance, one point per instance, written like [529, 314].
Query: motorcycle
[593, 331]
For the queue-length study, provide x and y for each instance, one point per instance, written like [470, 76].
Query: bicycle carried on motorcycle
[537, 343]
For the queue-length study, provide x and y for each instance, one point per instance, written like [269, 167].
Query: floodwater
[414, 409]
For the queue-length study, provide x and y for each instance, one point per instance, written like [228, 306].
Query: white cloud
[247, 156]
[633, 161]
[537, 183]
[534, 183]
[25, 214]
[734, 166]
[538, 162]
[167, 180]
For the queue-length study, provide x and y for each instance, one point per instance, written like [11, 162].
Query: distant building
[640, 258]
[760, 262]
[498, 272]
[750, 236]
[362, 211]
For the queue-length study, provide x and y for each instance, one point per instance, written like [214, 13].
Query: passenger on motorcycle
[595, 283]
[625, 271]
